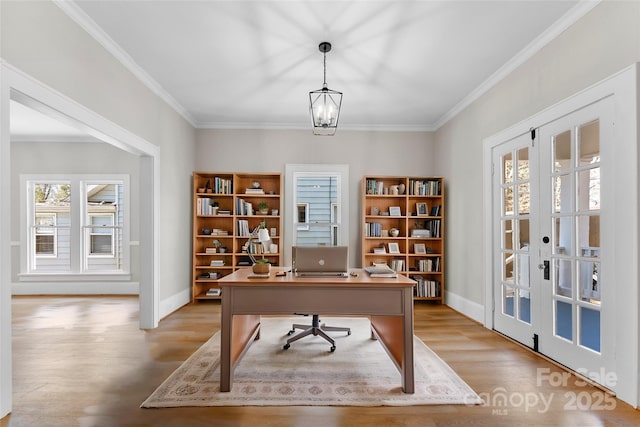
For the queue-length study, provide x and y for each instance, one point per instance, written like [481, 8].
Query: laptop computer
[320, 261]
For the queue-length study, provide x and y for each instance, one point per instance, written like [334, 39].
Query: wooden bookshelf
[414, 206]
[225, 208]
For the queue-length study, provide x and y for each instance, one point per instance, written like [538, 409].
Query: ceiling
[402, 65]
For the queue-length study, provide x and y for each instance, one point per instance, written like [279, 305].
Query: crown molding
[298, 126]
[74, 12]
[557, 28]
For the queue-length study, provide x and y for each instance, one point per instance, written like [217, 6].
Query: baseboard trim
[174, 302]
[75, 288]
[471, 309]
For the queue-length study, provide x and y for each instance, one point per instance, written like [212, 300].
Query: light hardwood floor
[82, 361]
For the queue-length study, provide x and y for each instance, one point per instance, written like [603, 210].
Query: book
[214, 292]
[380, 270]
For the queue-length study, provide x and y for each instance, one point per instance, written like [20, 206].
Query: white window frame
[79, 253]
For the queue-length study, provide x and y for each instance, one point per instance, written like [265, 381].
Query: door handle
[545, 266]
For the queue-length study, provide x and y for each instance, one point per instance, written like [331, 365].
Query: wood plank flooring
[82, 361]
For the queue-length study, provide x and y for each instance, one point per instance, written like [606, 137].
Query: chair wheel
[348, 332]
[286, 346]
[291, 332]
[333, 348]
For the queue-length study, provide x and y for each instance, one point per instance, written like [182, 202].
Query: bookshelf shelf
[223, 205]
[414, 206]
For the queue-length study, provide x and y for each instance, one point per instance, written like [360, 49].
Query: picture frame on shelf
[394, 248]
[421, 209]
[419, 248]
[395, 211]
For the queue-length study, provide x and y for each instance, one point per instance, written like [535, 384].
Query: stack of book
[380, 270]
[214, 292]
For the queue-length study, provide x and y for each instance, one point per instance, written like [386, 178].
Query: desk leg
[408, 372]
[226, 327]
[395, 333]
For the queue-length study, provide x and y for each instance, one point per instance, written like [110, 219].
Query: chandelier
[324, 104]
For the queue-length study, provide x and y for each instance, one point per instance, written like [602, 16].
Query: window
[303, 216]
[77, 225]
[45, 234]
[100, 235]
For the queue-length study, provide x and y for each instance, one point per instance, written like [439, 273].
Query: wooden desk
[388, 303]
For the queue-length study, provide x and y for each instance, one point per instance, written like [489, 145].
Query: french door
[550, 259]
[576, 293]
[516, 293]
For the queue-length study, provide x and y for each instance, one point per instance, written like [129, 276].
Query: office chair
[316, 328]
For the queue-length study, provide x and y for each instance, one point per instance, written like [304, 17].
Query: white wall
[366, 153]
[40, 40]
[602, 43]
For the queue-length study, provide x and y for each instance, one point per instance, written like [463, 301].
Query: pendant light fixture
[324, 104]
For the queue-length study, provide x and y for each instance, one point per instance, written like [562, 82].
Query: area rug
[358, 373]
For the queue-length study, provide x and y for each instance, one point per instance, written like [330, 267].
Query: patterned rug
[358, 373]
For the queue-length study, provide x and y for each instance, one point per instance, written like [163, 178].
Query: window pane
[50, 222]
[507, 230]
[101, 244]
[590, 328]
[507, 267]
[508, 201]
[589, 143]
[589, 233]
[590, 281]
[523, 270]
[589, 189]
[523, 164]
[103, 225]
[564, 274]
[507, 168]
[562, 194]
[523, 198]
[562, 235]
[564, 320]
[523, 233]
[524, 300]
[45, 245]
[318, 208]
[562, 151]
[45, 234]
[507, 301]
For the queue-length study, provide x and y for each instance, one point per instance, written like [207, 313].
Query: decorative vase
[261, 268]
[401, 188]
[394, 232]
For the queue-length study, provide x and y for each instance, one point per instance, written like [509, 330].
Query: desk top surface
[242, 276]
